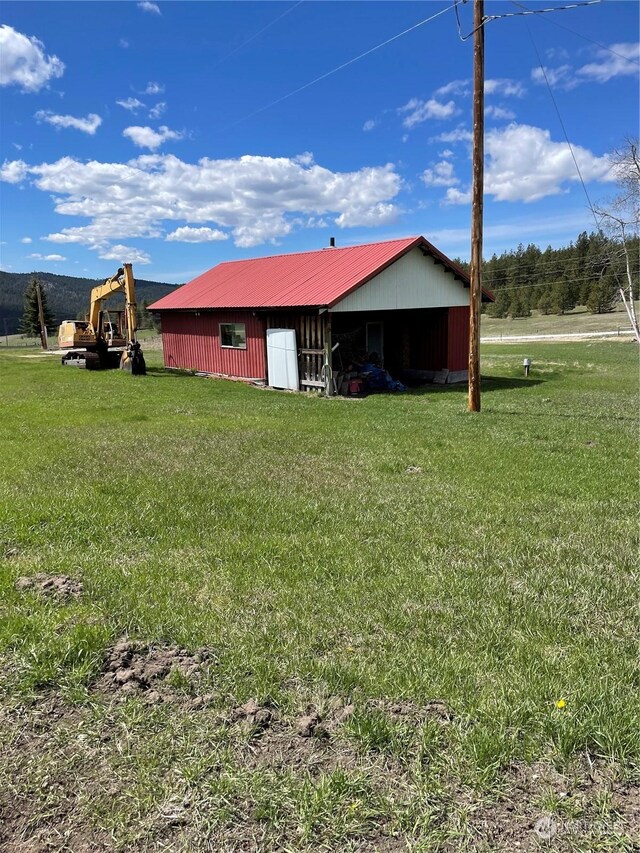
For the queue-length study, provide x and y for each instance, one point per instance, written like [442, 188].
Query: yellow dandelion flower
[560, 703]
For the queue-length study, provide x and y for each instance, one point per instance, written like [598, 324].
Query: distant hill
[68, 296]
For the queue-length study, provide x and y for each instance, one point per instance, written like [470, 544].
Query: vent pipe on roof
[332, 242]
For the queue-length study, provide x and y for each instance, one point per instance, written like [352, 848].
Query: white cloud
[131, 104]
[524, 164]
[153, 88]
[369, 125]
[420, 111]
[455, 87]
[257, 198]
[14, 171]
[123, 43]
[158, 110]
[446, 153]
[557, 53]
[146, 6]
[39, 257]
[460, 134]
[456, 196]
[538, 228]
[607, 66]
[146, 137]
[440, 175]
[87, 125]
[24, 63]
[381, 213]
[611, 65]
[124, 254]
[499, 113]
[195, 235]
[26, 240]
[562, 77]
[505, 87]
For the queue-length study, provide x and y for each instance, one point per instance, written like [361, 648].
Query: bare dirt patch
[534, 807]
[38, 795]
[56, 586]
[542, 808]
[411, 712]
[155, 673]
[309, 743]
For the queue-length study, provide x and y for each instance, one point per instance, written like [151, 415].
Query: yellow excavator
[105, 340]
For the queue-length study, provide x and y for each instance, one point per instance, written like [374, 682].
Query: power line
[548, 262]
[535, 279]
[542, 11]
[488, 18]
[340, 67]
[562, 282]
[548, 269]
[564, 129]
[580, 35]
[621, 288]
[566, 136]
[255, 35]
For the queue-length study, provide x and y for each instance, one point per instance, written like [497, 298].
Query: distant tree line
[588, 272]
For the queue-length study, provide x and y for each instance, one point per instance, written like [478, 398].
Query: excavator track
[86, 360]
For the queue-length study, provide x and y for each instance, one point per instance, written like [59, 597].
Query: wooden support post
[475, 295]
[43, 329]
[327, 369]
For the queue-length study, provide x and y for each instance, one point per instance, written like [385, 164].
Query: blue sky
[171, 134]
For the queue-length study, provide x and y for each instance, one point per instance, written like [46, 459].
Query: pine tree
[499, 308]
[545, 305]
[603, 295]
[561, 298]
[519, 306]
[30, 322]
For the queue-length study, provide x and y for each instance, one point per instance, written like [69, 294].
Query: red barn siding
[429, 339]
[458, 338]
[191, 341]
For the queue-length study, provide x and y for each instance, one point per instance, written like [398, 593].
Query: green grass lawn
[450, 609]
[577, 321]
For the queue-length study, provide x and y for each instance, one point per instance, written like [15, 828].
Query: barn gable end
[415, 280]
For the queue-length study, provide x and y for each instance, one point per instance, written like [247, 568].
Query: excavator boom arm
[122, 280]
[100, 293]
[130, 306]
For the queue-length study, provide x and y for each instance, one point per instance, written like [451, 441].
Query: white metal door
[282, 359]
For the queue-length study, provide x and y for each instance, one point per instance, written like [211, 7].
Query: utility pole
[475, 295]
[43, 328]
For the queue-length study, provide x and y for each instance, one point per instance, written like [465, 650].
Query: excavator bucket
[133, 360]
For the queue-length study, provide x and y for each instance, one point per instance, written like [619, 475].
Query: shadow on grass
[164, 373]
[488, 383]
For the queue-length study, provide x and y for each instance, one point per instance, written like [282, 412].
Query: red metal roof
[307, 279]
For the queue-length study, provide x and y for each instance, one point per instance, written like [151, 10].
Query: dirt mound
[58, 586]
[307, 742]
[157, 673]
[252, 715]
[412, 712]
